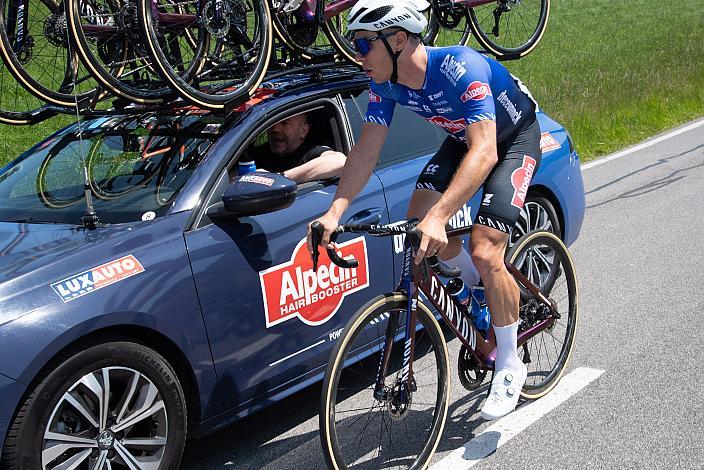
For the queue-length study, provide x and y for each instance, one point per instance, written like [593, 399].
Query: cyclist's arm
[359, 165]
[470, 175]
[358, 168]
[475, 167]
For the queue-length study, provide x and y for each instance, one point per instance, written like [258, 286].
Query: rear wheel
[545, 261]
[510, 28]
[448, 25]
[113, 405]
[357, 429]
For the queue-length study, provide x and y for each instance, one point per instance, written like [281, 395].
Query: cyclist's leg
[504, 195]
[431, 184]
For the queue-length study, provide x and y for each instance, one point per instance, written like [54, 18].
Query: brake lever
[317, 230]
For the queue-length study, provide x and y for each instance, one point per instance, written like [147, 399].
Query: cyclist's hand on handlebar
[434, 238]
[329, 224]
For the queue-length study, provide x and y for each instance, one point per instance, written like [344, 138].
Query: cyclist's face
[377, 61]
[286, 136]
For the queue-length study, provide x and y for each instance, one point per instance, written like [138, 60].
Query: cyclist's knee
[487, 247]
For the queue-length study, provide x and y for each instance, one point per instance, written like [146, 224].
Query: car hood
[31, 254]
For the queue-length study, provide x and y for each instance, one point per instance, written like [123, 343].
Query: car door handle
[366, 216]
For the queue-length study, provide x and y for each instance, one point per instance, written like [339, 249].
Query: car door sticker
[548, 143]
[293, 289]
[96, 278]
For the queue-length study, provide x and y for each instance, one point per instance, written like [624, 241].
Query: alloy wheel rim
[111, 418]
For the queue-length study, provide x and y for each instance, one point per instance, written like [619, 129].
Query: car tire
[146, 412]
[538, 213]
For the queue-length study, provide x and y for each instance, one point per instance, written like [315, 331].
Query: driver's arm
[328, 165]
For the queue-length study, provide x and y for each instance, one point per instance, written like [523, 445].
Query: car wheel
[114, 405]
[538, 213]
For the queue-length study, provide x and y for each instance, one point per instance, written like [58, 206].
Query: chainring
[449, 17]
[471, 376]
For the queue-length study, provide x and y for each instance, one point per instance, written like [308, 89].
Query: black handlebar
[407, 227]
[317, 230]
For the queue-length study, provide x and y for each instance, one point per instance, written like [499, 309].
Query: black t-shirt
[266, 160]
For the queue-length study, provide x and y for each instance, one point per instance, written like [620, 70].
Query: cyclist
[494, 138]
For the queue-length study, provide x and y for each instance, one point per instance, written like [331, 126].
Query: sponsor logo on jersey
[427, 108]
[257, 179]
[510, 107]
[548, 143]
[449, 125]
[452, 68]
[520, 179]
[413, 95]
[96, 278]
[487, 199]
[412, 102]
[476, 91]
[293, 290]
[374, 98]
[431, 169]
[415, 108]
[444, 110]
[392, 21]
[435, 96]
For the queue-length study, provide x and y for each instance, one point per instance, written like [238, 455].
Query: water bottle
[459, 291]
[247, 167]
[480, 310]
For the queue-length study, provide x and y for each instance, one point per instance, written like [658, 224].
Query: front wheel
[545, 261]
[358, 430]
[112, 405]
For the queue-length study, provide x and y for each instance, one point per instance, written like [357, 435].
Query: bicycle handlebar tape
[335, 258]
[442, 269]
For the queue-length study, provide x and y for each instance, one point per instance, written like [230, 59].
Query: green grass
[612, 72]
[616, 72]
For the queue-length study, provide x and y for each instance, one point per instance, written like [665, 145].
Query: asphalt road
[641, 271]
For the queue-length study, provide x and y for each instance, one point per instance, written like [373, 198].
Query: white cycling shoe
[505, 391]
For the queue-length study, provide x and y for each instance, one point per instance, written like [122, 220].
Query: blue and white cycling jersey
[461, 87]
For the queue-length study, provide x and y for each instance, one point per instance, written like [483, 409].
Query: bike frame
[419, 278]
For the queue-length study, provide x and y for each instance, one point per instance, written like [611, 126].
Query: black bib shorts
[506, 185]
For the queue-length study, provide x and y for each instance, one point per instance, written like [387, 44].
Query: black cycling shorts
[506, 185]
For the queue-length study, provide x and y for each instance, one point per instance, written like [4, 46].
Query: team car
[144, 299]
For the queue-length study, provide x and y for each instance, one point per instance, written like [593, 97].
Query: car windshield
[135, 167]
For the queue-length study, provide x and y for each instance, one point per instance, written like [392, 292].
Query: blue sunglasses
[364, 45]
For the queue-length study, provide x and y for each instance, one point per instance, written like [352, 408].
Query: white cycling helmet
[375, 15]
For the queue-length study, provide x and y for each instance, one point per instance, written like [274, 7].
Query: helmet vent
[376, 15]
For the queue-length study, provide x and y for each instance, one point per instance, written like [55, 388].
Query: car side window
[409, 135]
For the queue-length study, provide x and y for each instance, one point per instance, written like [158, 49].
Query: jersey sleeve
[473, 89]
[380, 109]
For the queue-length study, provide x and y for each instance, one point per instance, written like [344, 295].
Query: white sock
[506, 355]
[469, 275]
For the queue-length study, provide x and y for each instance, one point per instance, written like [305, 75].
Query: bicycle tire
[560, 286]
[368, 326]
[482, 23]
[111, 51]
[18, 107]
[303, 37]
[233, 76]
[447, 26]
[65, 84]
[335, 29]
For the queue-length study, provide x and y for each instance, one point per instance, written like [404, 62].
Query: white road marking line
[298, 352]
[499, 433]
[645, 144]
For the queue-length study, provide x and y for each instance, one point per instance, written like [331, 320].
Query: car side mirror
[255, 193]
